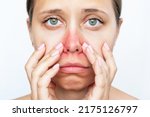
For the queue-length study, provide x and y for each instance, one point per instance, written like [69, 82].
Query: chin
[73, 82]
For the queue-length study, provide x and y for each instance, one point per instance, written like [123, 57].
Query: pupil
[53, 21]
[93, 22]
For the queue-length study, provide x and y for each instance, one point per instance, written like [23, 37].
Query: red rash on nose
[73, 37]
[72, 41]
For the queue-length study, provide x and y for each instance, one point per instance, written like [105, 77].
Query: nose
[72, 43]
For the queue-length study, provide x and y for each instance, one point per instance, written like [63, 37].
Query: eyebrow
[58, 11]
[53, 11]
[91, 10]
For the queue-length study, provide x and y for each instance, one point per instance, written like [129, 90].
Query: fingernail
[85, 45]
[55, 66]
[55, 53]
[106, 46]
[60, 45]
[41, 46]
[90, 49]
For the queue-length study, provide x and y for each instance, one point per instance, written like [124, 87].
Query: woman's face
[73, 22]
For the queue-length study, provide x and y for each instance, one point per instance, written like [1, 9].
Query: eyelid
[95, 18]
[97, 24]
[53, 27]
[51, 17]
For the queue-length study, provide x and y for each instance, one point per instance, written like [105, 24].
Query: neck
[63, 94]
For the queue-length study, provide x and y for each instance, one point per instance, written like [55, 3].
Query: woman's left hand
[105, 70]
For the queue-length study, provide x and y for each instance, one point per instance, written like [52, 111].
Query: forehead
[73, 5]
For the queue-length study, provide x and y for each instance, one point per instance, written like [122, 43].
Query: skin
[73, 39]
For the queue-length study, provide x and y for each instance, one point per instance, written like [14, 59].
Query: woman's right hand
[41, 69]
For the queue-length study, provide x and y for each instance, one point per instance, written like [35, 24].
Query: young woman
[73, 41]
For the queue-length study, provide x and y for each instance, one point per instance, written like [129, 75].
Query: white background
[131, 51]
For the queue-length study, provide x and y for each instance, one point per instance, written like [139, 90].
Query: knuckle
[113, 72]
[115, 69]
[40, 84]
[111, 55]
[43, 59]
[34, 73]
[27, 66]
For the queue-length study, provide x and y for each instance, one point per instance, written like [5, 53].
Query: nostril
[72, 50]
[77, 49]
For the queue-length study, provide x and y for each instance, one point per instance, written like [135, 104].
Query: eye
[53, 22]
[93, 22]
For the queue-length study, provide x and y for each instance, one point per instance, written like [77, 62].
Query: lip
[73, 68]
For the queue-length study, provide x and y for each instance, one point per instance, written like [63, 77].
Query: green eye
[53, 21]
[93, 22]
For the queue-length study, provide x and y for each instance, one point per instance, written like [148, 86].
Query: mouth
[73, 68]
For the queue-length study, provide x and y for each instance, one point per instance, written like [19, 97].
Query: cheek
[97, 39]
[49, 38]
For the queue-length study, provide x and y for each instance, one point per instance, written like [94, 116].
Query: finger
[43, 83]
[101, 70]
[42, 68]
[92, 56]
[87, 49]
[58, 47]
[100, 81]
[39, 71]
[33, 60]
[109, 60]
[100, 74]
[46, 64]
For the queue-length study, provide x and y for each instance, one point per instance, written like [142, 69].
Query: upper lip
[73, 65]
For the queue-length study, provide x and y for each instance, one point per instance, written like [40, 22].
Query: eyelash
[52, 26]
[99, 21]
